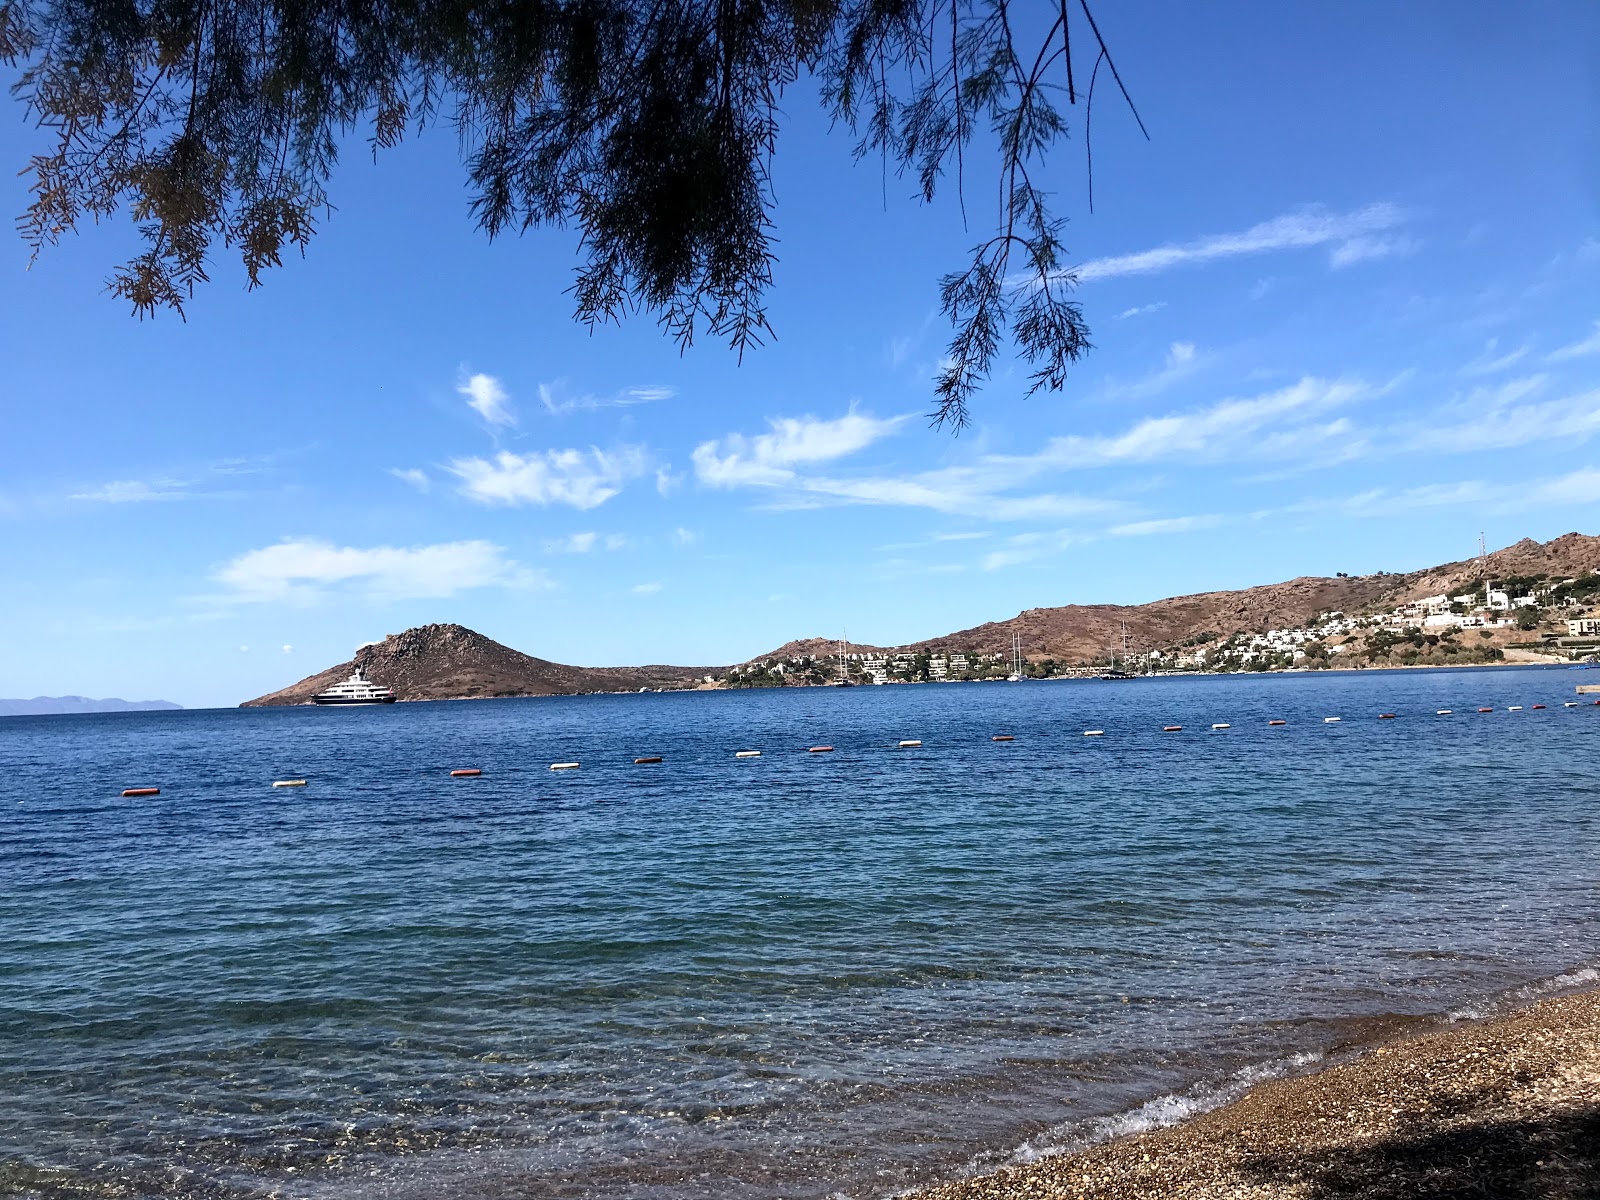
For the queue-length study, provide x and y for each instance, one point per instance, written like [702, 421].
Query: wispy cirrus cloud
[138, 491]
[559, 400]
[1500, 417]
[1284, 422]
[1350, 237]
[1141, 310]
[1491, 361]
[1575, 487]
[580, 478]
[770, 459]
[414, 476]
[303, 570]
[583, 543]
[1583, 348]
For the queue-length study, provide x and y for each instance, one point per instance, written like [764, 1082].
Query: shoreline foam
[1506, 1105]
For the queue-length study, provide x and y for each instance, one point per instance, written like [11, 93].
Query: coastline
[1505, 1106]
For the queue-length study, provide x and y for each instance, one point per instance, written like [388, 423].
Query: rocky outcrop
[451, 662]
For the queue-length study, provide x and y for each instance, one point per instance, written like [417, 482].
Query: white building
[1583, 627]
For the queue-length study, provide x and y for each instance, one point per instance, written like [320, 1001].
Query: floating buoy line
[908, 744]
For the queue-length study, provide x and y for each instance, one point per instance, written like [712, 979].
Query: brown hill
[446, 662]
[1078, 633]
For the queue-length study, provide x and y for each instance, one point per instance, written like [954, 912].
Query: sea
[799, 975]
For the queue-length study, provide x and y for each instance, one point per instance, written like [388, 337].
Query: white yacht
[358, 689]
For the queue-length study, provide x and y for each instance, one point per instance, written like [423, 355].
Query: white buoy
[747, 754]
[909, 744]
[1570, 704]
[1222, 725]
[288, 783]
[1094, 733]
[1329, 720]
[563, 766]
[1515, 708]
[1445, 712]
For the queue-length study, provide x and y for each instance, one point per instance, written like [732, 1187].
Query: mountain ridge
[439, 662]
[50, 706]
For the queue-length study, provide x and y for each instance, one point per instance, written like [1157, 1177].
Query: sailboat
[1115, 672]
[844, 666]
[1017, 672]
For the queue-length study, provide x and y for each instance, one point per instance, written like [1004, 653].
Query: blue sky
[1346, 309]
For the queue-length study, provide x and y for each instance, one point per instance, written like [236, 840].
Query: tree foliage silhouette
[648, 125]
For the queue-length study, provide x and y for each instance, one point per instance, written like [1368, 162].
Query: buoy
[1002, 737]
[1445, 712]
[1569, 704]
[465, 771]
[1538, 706]
[910, 744]
[1277, 722]
[1094, 733]
[141, 791]
[1172, 729]
[1515, 708]
[1486, 710]
[652, 758]
[563, 766]
[1222, 725]
[747, 754]
[820, 750]
[288, 783]
[1329, 720]
[1385, 716]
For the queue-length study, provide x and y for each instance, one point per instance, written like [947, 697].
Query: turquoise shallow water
[796, 976]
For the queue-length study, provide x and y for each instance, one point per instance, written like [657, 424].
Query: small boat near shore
[358, 689]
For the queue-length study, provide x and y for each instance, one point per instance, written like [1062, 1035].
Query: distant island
[1529, 602]
[57, 705]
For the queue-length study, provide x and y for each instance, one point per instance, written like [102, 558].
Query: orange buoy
[1277, 722]
[1002, 737]
[650, 758]
[820, 750]
[1385, 716]
[465, 771]
[1538, 706]
[1491, 710]
[141, 791]
[1172, 729]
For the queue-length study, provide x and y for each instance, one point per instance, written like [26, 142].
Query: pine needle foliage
[647, 125]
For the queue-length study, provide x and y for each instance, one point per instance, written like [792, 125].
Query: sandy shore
[1508, 1108]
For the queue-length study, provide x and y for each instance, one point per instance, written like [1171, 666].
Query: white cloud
[684, 537]
[582, 478]
[1141, 310]
[1491, 362]
[1501, 417]
[288, 649]
[1180, 354]
[582, 543]
[646, 589]
[1167, 525]
[414, 476]
[1351, 235]
[577, 543]
[136, 491]
[302, 569]
[1231, 428]
[769, 459]
[558, 401]
[1575, 488]
[488, 399]
[1370, 249]
[1579, 349]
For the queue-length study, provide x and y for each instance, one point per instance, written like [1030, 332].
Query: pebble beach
[1506, 1108]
